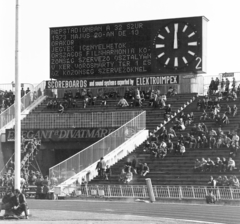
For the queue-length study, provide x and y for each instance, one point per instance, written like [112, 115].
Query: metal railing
[38, 91]
[79, 120]
[164, 192]
[93, 153]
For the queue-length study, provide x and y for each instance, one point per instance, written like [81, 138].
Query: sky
[36, 17]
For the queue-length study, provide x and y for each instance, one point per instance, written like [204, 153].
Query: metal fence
[79, 120]
[164, 192]
[91, 154]
[38, 91]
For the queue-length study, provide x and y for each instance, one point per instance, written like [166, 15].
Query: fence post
[231, 193]
[150, 189]
[168, 192]
[218, 194]
[121, 190]
[193, 192]
[109, 191]
[180, 193]
[132, 191]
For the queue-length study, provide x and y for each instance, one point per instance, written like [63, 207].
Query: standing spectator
[168, 111]
[224, 164]
[28, 90]
[22, 92]
[108, 172]
[234, 110]
[212, 182]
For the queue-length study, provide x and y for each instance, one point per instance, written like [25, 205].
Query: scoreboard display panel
[143, 47]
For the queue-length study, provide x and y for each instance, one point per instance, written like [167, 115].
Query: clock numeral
[199, 62]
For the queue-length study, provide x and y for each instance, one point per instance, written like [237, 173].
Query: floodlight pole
[17, 109]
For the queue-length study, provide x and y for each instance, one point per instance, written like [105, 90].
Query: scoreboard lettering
[123, 48]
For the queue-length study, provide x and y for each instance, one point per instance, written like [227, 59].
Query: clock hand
[175, 43]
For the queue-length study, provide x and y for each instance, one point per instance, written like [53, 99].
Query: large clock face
[176, 46]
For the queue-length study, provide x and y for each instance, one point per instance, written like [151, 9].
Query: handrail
[101, 148]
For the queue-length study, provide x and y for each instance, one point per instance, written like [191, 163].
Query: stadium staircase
[176, 169]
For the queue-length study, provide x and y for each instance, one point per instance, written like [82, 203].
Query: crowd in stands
[224, 181]
[131, 98]
[7, 98]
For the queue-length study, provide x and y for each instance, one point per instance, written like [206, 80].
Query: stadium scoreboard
[122, 49]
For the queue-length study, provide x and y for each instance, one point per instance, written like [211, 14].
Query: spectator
[212, 182]
[231, 164]
[170, 146]
[61, 108]
[209, 165]
[6, 200]
[55, 103]
[123, 103]
[234, 110]
[203, 164]
[162, 150]
[235, 140]
[101, 167]
[22, 92]
[168, 111]
[235, 182]
[77, 95]
[108, 172]
[122, 176]
[50, 104]
[182, 149]
[193, 142]
[128, 177]
[171, 133]
[211, 198]
[218, 165]
[224, 164]
[199, 105]
[145, 170]
[28, 90]
[197, 165]
[19, 204]
[204, 115]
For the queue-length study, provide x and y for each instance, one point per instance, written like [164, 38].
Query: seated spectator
[55, 103]
[122, 176]
[104, 101]
[197, 165]
[211, 198]
[181, 126]
[148, 93]
[204, 115]
[6, 200]
[168, 111]
[204, 141]
[162, 150]
[235, 141]
[61, 108]
[231, 164]
[128, 177]
[153, 99]
[123, 102]
[170, 146]
[74, 103]
[171, 133]
[193, 130]
[65, 104]
[225, 119]
[77, 95]
[224, 164]
[219, 181]
[199, 105]
[235, 182]
[86, 101]
[182, 149]
[65, 96]
[19, 204]
[203, 164]
[218, 165]
[225, 181]
[145, 170]
[170, 91]
[193, 142]
[199, 142]
[209, 165]
[50, 104]
[226, 141]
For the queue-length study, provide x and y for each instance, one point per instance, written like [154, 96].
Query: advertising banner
[64, 134]
[114, 82]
